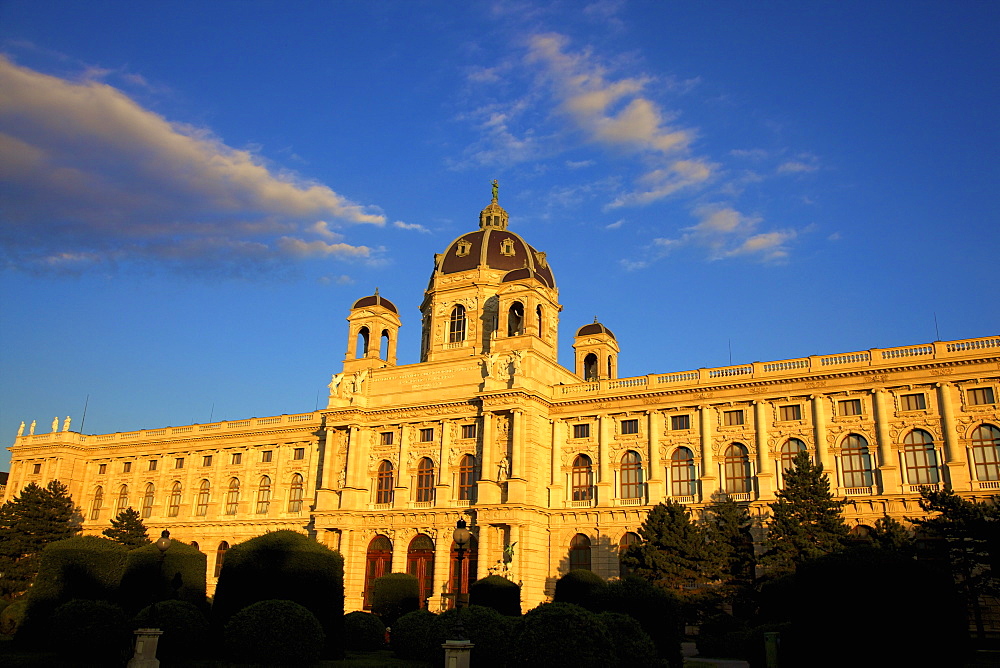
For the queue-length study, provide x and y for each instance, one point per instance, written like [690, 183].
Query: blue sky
[192, 194]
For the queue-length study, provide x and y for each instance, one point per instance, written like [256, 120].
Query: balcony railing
[857, 491]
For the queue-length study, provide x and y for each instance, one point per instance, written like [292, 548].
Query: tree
[672, 553]
[727, 526]
[128, 529]
[806, 520]
[28, 522]
[890, 534]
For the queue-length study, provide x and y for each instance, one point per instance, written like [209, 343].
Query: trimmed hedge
[178, 573]
[497, 592]
[412, 636]
[12, 616]
[489, 631]
[561, 634]
[395, 595]
[657, 611]
[632, 645]
[285, 565]
[92, 632]
[363, 632]
[185, 628]
[579, 587]
[281, 633]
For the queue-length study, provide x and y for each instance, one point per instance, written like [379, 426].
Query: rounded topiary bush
[12, 616]
[412, 636]
[394, 595]
[184, 627]
[488, 630]
[363, 631]
[497, 592]
[151, 576]
[274, 632]
[91, 631]
[657, 611]
[561, 634]
[632, 645]
[580, 587]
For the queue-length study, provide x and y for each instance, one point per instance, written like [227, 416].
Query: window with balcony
[232, 496]
[201, 505]
[466, 478]
[425, 480]
[457, 324]
[856, 462]
[789, 449]
[296, 494]
[631, 476]
[920, 458]
[263, 495]
[985, 445]
[174, 502]
[147, 501]
[683, 475]
[582, 479]
[736, 469]
[95, 505]
[384, 482]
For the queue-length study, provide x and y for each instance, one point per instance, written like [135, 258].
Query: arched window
[383, 349]
[425, 480]
[789, 449]
[194, 544]
[683, 474]
[147, 501]
[583, 479]
[233, 496]
[174, 502]
[459, 581]
[590, 367]
[220, 557]
[631, 475]
[295, 494]
[95, 506]
[122, 500]
[579, 552]
[629, 538]
[736, 465]
[538, 317]
[467, 478]
[263, 495]
[856, 462]
[456, 324]
[364, 337]
[420, 564]
[384, 483]
[985, 443]
[920, 458]
[378, 562]
[201, 507]
[611, 373]
[515, 319]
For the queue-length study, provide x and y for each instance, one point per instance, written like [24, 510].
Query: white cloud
[615, 225]
[411, 226]
[796, 166]
[90, 172]
[294, 247]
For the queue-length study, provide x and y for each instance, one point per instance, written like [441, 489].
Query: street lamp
[461, 536]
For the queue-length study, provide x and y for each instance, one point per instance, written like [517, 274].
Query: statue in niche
[516, 357]
[503, 469]
[66, 423]
[508, 552]
[31, 431]
[20, 430]
[342, 479]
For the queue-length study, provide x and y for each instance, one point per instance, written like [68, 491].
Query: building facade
[552, 468]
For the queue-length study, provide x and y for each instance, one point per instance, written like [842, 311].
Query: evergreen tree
[806, 520]
[672, 553]
[128, 529]
[727, 525]
[890, 534]
[28, 522]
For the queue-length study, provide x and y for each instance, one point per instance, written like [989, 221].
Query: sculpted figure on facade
[20, 430]
[66, 423]
[503, 469]
[31, 431]
[55, 424]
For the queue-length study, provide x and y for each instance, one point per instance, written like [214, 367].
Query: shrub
[632, 645]
[89, 631]
[12, 616]
[395, 595]
[363, 631]
[497, 592]
[184, 627]
[488, 630]
[561, 634]
[657, 611]
[276, 633]
[580, 587]
[151, 576]
[289, 566]
[412, 636]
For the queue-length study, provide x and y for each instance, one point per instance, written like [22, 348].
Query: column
[709, 476]
[605, 485]
[556, 495]
[888, 471]
[442, 564]
[329, 456]
[444, 470]
[958, 470]
[487, 490]
[400, 544]
[517, 484]
[401, 493]
[654, 468]
[765, 476]
[819, 426]
[485, 556]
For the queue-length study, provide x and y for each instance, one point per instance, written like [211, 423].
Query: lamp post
[457, 651]
[147, 639]
[461, 536]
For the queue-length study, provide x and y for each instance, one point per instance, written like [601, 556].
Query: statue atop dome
[496, 187]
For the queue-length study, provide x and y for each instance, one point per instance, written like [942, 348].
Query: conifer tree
[672, 553]
[890, 534]
[28, 522]
[128, 529]
[806, 520]
[727, 526]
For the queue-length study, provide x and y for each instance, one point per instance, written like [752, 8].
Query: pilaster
[709, 479]
[958, 470]
[765, 476]
[605, 485]
[654, 476]
[888, 471]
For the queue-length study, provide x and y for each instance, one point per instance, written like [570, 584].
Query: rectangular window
[299, 453]
[237, 458]
[912, 402]
[581, 430]
[680, 422]
[206, 460]
[849, 407]
[427, 435]
[732, 418]
[36, 468]
[386, 438]
[152, 464]
[179, 463]
[468, 431]
[127, 467]
[981, 395]
[786, 413]
[102, 469]
[265, 456]
[630, 426]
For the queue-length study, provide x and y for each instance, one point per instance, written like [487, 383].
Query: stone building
[553, 468]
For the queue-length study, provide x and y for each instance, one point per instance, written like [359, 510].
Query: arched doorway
[378, 562]
[459, 580]
[420, 564]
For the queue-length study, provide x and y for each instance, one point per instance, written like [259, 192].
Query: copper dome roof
[376, 300]
[594, 328]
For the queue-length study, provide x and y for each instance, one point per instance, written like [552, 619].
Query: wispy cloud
[417, 227]
[90, 176]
